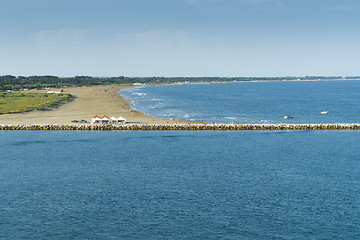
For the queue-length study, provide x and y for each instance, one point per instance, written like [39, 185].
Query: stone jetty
[338, 126]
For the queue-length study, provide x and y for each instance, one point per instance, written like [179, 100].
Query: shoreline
[87, 102]
[100, 100]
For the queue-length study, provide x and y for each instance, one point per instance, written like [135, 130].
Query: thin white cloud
[228, 3]
[62, 36]
[261, 2]
[198, 2]
[192, 2]
[342, 9]
[155, 39]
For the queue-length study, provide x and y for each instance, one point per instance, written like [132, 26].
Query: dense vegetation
[9, 82]
[23, 102]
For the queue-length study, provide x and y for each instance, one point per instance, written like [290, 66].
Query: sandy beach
[89, 101]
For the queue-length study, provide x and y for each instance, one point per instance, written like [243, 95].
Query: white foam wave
[139, 94]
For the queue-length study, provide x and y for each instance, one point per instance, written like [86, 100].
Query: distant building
[61, 91]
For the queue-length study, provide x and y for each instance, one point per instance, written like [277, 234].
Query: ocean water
[192, 184]
[180, 185]
[252, 102]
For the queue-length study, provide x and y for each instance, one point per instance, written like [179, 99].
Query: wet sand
[89, 101]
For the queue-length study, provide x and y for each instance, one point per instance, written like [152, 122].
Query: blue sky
[180, 37]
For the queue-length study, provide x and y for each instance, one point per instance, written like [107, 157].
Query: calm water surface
[252, 102]
[180, 185]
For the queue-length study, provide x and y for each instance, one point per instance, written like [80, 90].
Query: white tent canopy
[105, 119]
[96, 119]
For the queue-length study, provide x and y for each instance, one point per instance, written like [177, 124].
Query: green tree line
[9, 82]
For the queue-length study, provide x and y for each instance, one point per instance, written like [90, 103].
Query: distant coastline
[16, 83]
[90, 100]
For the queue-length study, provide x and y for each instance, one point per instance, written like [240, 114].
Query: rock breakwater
[348, 126]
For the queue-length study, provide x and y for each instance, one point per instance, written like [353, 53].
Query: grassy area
[23, 102]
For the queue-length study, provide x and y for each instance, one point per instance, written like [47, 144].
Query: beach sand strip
[89, 101]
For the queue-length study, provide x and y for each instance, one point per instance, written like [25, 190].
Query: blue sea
[252, 102]
[185, 184]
